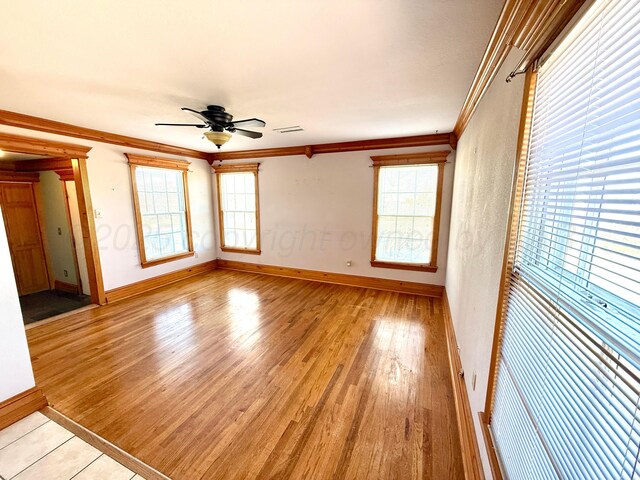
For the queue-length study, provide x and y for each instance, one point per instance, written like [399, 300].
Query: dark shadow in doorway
[41, 305]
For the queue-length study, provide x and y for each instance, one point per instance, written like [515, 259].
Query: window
[161, 204]
[238, 211]
[566, 396]
[407, 192]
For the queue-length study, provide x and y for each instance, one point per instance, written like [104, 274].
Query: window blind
[567, 394]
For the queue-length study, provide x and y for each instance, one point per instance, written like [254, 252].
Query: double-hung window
[565, 401]
[238, 211]
[406, 210]
[161, 204]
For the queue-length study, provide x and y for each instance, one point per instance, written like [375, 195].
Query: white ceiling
[342, 69]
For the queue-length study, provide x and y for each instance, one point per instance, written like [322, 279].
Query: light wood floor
[235, 375]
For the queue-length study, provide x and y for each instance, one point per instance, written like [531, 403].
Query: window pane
[162, 211]
[388, 204]
[164, 223]
[160, 202]
[238, 205]
[150, 207]
[406, 207]
[251, 202]
[149, 224]
[229, 219]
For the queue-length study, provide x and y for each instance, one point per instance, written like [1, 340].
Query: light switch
[98, 213]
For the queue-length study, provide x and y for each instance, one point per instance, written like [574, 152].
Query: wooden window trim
[438, 158]
[238, 168]
[167, 164]
[157, 162]
[515, 207]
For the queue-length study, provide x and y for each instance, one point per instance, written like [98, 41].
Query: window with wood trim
[238, 207]
[407, 200]
[161, 205]
[564, 397]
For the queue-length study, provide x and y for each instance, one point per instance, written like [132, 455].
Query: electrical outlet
[66, 274]
[473, 380]
[59, 231]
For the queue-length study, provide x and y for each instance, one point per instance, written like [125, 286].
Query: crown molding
[530, 25]
[339, 147]
[51, 126]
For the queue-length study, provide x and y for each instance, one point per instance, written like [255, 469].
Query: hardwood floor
[236, 375]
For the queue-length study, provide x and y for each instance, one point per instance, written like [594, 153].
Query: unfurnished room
[359, 239]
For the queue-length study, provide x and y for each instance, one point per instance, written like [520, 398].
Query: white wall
[485, 165]
[316, 214]
[16, 375]
[110, 186]
[55, 217]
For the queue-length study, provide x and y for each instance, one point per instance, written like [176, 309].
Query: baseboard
[21, 405]
[414, 288]
[106, 447]
[66, 287]
[471, 460]
[149, 284]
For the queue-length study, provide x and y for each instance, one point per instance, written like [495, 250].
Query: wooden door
[25, 240]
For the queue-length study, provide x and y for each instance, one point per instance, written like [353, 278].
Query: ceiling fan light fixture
[218, 138]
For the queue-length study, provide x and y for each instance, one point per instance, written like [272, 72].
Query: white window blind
[568, 389]
[162, 211]
[239, 212]
[406, 209]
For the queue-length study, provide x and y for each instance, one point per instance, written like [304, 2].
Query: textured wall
[485, 164]
[110, 186]
[316, 214]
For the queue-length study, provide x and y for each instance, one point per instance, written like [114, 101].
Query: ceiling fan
[221, 124]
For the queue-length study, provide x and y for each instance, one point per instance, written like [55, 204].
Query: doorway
[46, 211]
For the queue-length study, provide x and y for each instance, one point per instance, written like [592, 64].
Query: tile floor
[37, 448]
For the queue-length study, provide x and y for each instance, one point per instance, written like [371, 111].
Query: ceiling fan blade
[249, 122]
[246, 133]
[197, 125]
[196, 113]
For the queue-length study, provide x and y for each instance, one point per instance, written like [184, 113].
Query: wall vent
[294, 128]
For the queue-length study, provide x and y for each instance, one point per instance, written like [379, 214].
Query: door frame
[64, 178]
[64, 155]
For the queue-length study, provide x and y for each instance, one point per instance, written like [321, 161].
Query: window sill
[240, 250]
[405, 266]
[160, 261]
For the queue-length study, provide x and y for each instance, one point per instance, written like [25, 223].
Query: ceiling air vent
[294, 128]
